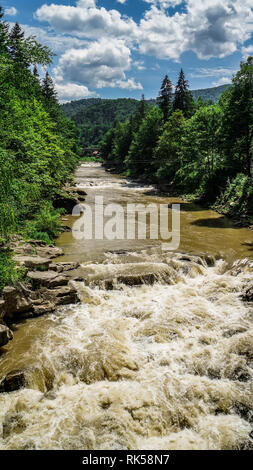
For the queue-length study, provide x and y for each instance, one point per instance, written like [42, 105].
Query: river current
[158, 354]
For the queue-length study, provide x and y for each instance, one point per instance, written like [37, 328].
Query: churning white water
[158, 355]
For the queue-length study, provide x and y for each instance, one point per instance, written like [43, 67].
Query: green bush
[238, 196]
[9, 274]
[46, 224]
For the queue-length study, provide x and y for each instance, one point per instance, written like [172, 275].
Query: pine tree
[183, 98]
[48, 89]
[16, 38]
[165, 97]
[142, 106]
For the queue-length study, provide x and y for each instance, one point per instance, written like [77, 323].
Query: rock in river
[5, 335]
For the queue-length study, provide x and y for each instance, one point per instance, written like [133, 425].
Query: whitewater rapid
[165, 364]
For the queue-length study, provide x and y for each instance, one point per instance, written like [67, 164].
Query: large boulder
[64, 295]
[16, 301]
[33, 262]
[29, 377]
[49, 251]
[5, 335]
[43, 308]
[49, 279]
[64, 266]
[13, 381]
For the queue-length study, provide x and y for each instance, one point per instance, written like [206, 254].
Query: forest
[38, 145]
[95, 116]
[202, 151]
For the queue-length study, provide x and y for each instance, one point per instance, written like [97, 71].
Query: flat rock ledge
[47, 286]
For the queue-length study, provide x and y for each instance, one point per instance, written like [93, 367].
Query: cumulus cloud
[72, 91]
[86, 20]
[11, 11]
[57, 42]
[247, 51]
[101, 64]
[210, 28]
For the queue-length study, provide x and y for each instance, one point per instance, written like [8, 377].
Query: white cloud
[139, 65]
[213, 72]
[72, 91]
[129, 84]
[11, 11]
[247, 51]
[57, 42]
[165, 3]
[223, 81]
[100, 64]
[86, 20]
[210, 28]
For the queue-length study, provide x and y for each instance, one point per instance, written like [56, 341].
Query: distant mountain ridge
[95, 116]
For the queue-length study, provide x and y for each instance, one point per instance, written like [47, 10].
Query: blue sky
[123, 48]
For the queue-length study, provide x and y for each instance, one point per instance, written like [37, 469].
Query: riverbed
[159, 353]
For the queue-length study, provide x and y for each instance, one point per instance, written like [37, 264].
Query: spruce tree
[165, 97]
[183, 98]
[16, 38]
[142, 106]
[48, 89]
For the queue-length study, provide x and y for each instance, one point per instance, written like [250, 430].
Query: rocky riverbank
[47, 285]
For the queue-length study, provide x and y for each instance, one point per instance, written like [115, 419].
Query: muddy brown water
[162, 365]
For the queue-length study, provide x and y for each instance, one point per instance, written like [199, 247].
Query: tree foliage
[204, 149]
[164, 99]
[38, 143]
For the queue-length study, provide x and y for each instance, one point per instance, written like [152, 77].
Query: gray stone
[43, 309]
[42, 278]
[49, 251]
[58, 281]
[64, 266]
[33, 261]
[16, 301]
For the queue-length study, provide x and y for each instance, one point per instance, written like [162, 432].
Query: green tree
[48, 89]
[140, 157]
[183, 100]
[164, 99]
[237, 128]
[168, 153]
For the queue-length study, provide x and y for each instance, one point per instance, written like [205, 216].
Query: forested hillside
[38, 144]
[192, 148]
[95, 116]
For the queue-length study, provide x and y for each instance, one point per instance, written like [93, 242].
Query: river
[167, 364]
